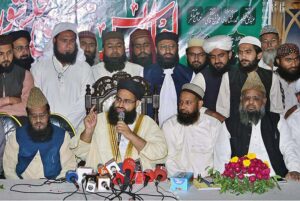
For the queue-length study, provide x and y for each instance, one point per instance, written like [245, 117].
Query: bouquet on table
[245, 174]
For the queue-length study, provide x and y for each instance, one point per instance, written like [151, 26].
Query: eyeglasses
[124, 101]
[38, 116]
[142, 46]
[21, 48]
[167, 47]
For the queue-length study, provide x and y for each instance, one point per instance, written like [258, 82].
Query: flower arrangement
[244, 174]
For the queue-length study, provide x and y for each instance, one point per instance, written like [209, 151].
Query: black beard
[187, 119]
[143, 61]
[7, 69]
[68, 58]
[219, 71]
[167, 63]
[252, 66]
[247, 118]
[288, 76]
[24, 63]
[113, 116]
[112, 64]
[198, 68]
[90, 59]
[43, 135]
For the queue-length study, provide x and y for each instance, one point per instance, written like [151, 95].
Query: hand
[14, 100]
[90, 121]
[293, 176]
[123, 128]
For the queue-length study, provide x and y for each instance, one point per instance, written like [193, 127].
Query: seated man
[38, 149]
[255, 130]
[105, 136]
[190, 136]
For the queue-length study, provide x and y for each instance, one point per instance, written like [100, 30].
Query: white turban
[222, 42]
[250, 40]
[58, 28]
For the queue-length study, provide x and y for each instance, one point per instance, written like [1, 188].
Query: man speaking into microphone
[111, 135]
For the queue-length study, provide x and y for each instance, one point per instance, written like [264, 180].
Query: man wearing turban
[288, 71]
[141, 48]
[104, 136]
[218, 49]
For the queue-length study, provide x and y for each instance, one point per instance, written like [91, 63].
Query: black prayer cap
[166, 36]
[5, 39]
[134, 87]
[20, 34]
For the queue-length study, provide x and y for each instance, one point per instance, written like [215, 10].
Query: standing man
[256, 130]
[195, 55]
[62, 73]
[38, 149]
[88, 43]
[15, 82]
[219, 53]
[167, 76]
[294, 118]
[141, 48]
[21, 48]
[190, 136]
[288, 60]
[270, 41]
[114, 58]
[105, 136]
[249, 52]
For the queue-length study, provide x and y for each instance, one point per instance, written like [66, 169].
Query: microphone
[72, 177]
[103, 183]
[149, 176]
[102, 170]
[118, 179]
[121, 117]
[128, 170]
[160, 174]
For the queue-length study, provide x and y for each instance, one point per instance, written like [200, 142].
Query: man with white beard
[270, 41]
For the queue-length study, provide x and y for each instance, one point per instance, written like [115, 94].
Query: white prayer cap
[250, 40]
[222, 42]
[200, 81]
[195, 42]
[298, 86]
[193, 88]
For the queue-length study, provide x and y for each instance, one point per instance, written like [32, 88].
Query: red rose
[237, 169]
[259, 176]
[252, 179]
[231, 175]
[241, 176]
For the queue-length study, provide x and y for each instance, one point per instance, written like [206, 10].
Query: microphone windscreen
[129, 164]
[162, 172]
[150, 174]
[71, 175]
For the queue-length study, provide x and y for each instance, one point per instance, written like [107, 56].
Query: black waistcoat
[240, 139]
